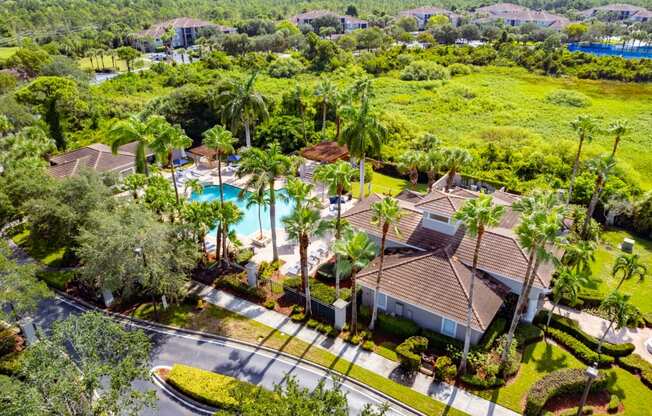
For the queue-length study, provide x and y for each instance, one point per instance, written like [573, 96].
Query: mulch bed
[598, 401]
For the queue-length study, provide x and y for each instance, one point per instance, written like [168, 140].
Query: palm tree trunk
[604, 336]
[219, 176]
[529, 275]
[616, 142]
[431, 180]
[469, 308]
[323, 117]
[338, 234]
[551, 311]
[361, 177]
[574, 173]
[247, 134]
[272, 219]
[174, 182]
[141, 163]
[592, 205]
[260, 222]
[449, 179]
[414, 178]
[354, 304]
[303, 254]
[338, 126]
[218, 243]
[374, 313]
[225, 244]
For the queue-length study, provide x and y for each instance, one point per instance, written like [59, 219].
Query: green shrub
[368, 345]
[398, 326]
[573, 329]
[634, 363]
[409, 352]
[560, 382]
[318, 290]
[312, 323]
[440, 342]
[568, 98]
[587, 298]
[496, 329]
[527, 334]
[326, 271]
[284, 68]
[267, 269]
[445, 370]
[614, 404]
[647, 318]
[8, 341]
[475, 381]
[424, 71]
[459, 69]
[578, 349]
[213, 389]
[327, 329]
[355, 339]
[244, 256]
[10, 363]
[235, 282]
[364, 313]
[297, 309]
[298, 317]
[270, 304]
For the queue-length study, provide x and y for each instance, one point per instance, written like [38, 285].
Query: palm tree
[228, 214]
[628, 266]
[541, 222]
[410, 162]
[385, 213]
[194, 185]
[578, 256]
[263, 167]
[327, 92]
[133, 129]
[601, 166]
[342, 101]
[431, 162]
[242, 106]
[297, 101]
[301, 225]
[221, 141]
[200, 218]
[356, 250]
[618, 128]
[301, 193]
[362, 134]
[169, 138]
[585, 127]
[477, 215]
[260, 199]
[454, 159]
[568, 283]
[133, 183]
[619, 310]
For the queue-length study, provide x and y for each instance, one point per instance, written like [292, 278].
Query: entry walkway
[449, 395]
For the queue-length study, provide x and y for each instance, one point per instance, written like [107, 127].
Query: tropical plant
[601, 166]
[579, 255]
[454, 159]
[363, 134]
[628, 266]
[619, 311]
[168, 139]
[227, 214]
[263, 167]
[221, 141]
[385, 214]
[619, 129]
[356, 251]
[301, 193]
[194, 185]
[133, 129]
[431, 162]
[327, 92]
[260, 199]
[585, 127]
[409, 162]
[242, 106]
[568, 284]
[200, 218]
[477, 215]
[133, 183]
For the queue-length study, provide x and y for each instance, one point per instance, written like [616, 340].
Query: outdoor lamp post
[592, 374]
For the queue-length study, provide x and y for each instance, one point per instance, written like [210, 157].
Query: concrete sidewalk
[449, 395]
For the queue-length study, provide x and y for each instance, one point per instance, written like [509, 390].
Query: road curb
[145, 323]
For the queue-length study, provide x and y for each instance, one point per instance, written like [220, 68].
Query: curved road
[244, 362]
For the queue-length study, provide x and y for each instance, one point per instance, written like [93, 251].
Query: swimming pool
[602, 49]
[249, 223]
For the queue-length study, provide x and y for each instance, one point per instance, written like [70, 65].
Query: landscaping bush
[440, 342]
[614, 404]
[568, 98]
[10, 363]
[270, 304]
[409, 352]
[557, 383]
[244, 256]
[475, 381]
[397, 326]
[298, 317]
[527, 334]
[368, 345]
[284, 68]
[312, 323]
[213, 389]
[578, 349]
[354, 339]
[327, 329]
[573, 329]
[635, 364]
[235, 282]
[424, 71]
[647, 318]
[587, 298]
[445, 370]
[459, 69]
[496, 329]
[318, 290]
[267, 269]
[8, 341]
[364, 313]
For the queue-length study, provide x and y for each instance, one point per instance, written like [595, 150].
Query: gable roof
[158, 29]
[435, 282]
[442, 202]
[326, 152]
[96, 156]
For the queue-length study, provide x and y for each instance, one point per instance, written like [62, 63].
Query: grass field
[383, 184]
[605, 256]
[120, 65]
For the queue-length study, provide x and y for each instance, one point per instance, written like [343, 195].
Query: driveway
[244, 362]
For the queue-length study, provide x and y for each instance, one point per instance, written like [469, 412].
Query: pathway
[450, 395]
[596, 326]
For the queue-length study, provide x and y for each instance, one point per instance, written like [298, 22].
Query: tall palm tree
[228, 214]
[301, 225]
[296, 99]
[409, 162]
[168, 139]
[628, 266]
[477, 215]
[568, 283]
[431, 162]
[619, 311]
[198, 215]
[242, 105]
[327, 92]
[541, 222]
[386, 214]
[342, 101]
[601, 166]
[133, 129]
[263, 167]
[194, 185]
[585, 127]
[356, 250]
[579, 255]
[221, 141]
[454, 159]
[363, 134]
[259, 199]
[301, 193]
[619, 129]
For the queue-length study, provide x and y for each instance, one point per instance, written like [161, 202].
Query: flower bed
[236, 283]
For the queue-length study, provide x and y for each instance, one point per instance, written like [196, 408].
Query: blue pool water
[249, 223]
[601, 49]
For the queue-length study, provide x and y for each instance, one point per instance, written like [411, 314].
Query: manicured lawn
[52, 257]
[605, 256]
[219, 321]
[5, 53]
[120, 65]
[383, 184]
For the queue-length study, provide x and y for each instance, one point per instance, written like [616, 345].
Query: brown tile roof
[96, 156]
[501, 8]
[203, 150]
[500, 252]
[326, 152]
[435, 282]
[441, 202]
[159, 29]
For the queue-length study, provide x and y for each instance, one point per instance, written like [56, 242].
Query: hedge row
[635, 364]
[439, 342]
[587, 298]
[496, 329]
[318, 290]
[573, 329]
[398, 326]
[409, 352]
[578, 349]
[527, 334]
[213, 389]
[560, 382]
[475, 381]
[235, 282]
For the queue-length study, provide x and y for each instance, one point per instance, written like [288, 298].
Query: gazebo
[326, 152]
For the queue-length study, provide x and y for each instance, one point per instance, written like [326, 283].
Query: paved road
[246, 363]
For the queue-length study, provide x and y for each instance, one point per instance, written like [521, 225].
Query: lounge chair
[294, 269]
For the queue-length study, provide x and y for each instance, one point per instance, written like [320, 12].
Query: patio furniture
[294, 269]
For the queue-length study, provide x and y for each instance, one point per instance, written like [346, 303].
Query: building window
[448, 327]
[381, 300]
[437, 217]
